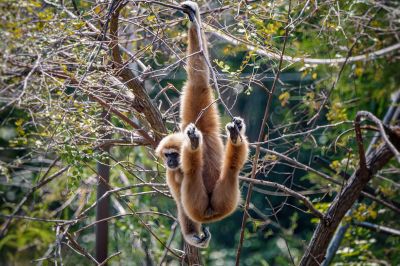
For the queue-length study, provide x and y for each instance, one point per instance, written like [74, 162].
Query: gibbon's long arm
[197, 94]
[210, 187]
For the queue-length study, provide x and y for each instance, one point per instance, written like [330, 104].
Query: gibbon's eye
[172, 159]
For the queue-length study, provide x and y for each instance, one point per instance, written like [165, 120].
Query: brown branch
[315, 253]
[123, 117]
[109, 258]
[116, 190]
[382, 131]
[143, 100]
[169, 241]
[360, 143]
[37, 219]
[118, 216]
[79, 249]
[258, 146]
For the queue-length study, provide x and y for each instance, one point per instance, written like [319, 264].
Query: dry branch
[152, 114]
[287, 191]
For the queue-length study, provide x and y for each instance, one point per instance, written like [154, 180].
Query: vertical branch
[192, 255]
[260, 137]
[102, 209]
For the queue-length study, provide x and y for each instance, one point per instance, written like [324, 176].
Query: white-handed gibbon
[202, 177]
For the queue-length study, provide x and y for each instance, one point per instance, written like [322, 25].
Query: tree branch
[315, 253]
[287, 191]
[151, 113]
[318, 61]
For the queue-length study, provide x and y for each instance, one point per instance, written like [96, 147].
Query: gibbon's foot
[194, 136]
[235, 128]
[190, 9]
[201, 241]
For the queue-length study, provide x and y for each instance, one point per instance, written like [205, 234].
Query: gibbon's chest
[178, 178]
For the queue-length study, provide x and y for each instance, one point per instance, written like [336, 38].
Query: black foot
[200, 241]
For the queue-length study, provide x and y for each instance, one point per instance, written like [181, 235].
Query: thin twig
[288, 191]
[258, 146]
[382, 131]
[27, 196]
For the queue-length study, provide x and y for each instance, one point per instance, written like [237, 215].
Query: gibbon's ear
[160, 148]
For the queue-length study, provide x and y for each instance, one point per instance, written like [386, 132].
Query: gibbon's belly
[212, 158]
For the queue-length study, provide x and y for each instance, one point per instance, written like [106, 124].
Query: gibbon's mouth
[175, 168]
[189, 11]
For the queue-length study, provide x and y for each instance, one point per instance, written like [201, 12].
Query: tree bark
[142, 102]
[315, 253]
[103, 207]
[192, 255]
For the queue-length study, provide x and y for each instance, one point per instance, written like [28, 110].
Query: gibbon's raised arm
[201, 174]
[197, 94]
[197, 68]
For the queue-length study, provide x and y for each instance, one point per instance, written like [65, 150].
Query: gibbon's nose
[172, 163]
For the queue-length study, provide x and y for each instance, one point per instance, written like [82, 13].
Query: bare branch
[379, 228]
[315, 253]
[318, 61]
[288, 191]
[149, 110]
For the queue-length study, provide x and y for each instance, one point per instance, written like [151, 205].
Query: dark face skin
[172, 159]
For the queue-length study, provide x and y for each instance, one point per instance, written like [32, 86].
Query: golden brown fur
[205, 186]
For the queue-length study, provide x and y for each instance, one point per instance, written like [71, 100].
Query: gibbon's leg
[226, 194]
[195, 198]
[192, 232]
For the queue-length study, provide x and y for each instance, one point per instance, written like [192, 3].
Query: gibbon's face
[171, 159]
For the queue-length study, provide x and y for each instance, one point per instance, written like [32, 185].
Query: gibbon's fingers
[194, 136]
[189, 11]
[235, 128]
[192, 10]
